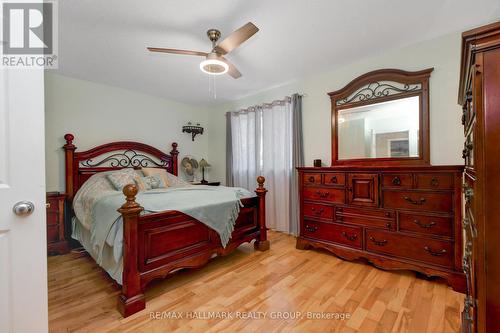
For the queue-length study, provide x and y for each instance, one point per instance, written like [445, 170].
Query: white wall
[446, 137]
[98, 114]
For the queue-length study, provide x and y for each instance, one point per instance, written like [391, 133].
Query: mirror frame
[352, 96]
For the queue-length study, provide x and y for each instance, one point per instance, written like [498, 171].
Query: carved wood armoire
[479, 95]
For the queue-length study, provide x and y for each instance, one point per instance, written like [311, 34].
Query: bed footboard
[156, 245]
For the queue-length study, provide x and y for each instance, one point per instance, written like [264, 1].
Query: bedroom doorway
[23, 256]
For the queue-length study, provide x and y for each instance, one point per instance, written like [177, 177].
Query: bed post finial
[174, 148]
[69, 139]
[69, 154]
[130, 192]
[262, 244]
[260, 181]
[174, 153]
[131, 300]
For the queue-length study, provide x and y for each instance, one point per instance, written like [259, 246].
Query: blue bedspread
[215, 206]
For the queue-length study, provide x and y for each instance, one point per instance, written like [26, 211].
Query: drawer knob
[378, 242]
[352, 237]
[396, 181]
[414, 202]
[322, 194]
[423, 225]
[317, 212]
[311, 179]
[311, 228]
[435, 253]
[434, 182]
[388, 225]
[333, 180]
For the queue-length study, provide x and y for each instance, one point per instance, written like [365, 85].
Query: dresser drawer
[53, 233]
[377, 213]
[56, 233]
[422, 201]
[435, 225]
[435, 181]
[331, 232]
[366, 217]
[334, 179]
[53, 205]
[324, 194]
[417, 248]
[52, 218]
[400, 180]
[311, 179]
[317, 210]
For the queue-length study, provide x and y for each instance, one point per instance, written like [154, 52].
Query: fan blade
[233, 71]
[177, 51]
[236, 38]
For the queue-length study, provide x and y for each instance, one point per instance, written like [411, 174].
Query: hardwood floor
[281, 281]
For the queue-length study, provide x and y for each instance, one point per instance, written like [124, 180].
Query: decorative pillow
[121, 178]
[150, 182]
[162, 173]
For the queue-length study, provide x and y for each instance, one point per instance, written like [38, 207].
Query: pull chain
[212, 88]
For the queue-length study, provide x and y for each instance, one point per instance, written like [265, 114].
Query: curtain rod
[263, 104]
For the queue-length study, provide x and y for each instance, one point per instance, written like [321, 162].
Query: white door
[23, 250]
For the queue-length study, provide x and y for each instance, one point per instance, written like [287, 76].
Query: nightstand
[209, 183]
[56, 228]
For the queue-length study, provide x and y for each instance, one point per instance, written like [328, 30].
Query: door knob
[23, 208]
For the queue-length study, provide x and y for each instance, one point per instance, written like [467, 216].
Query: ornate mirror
[382, 118]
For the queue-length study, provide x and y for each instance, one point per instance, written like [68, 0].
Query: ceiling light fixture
[214, 67]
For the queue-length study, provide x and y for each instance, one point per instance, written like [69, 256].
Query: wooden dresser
[382, 200]
[56, 229]
[479, 96]
[396, 217]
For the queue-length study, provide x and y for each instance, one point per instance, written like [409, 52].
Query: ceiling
[105, 41]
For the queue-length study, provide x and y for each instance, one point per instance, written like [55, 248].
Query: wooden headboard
[80, 166]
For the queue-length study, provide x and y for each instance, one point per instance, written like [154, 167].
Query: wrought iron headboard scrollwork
[80, 166]
[126, 159]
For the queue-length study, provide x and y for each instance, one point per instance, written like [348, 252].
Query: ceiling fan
[215, 63]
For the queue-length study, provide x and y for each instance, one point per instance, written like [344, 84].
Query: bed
[157, 243]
